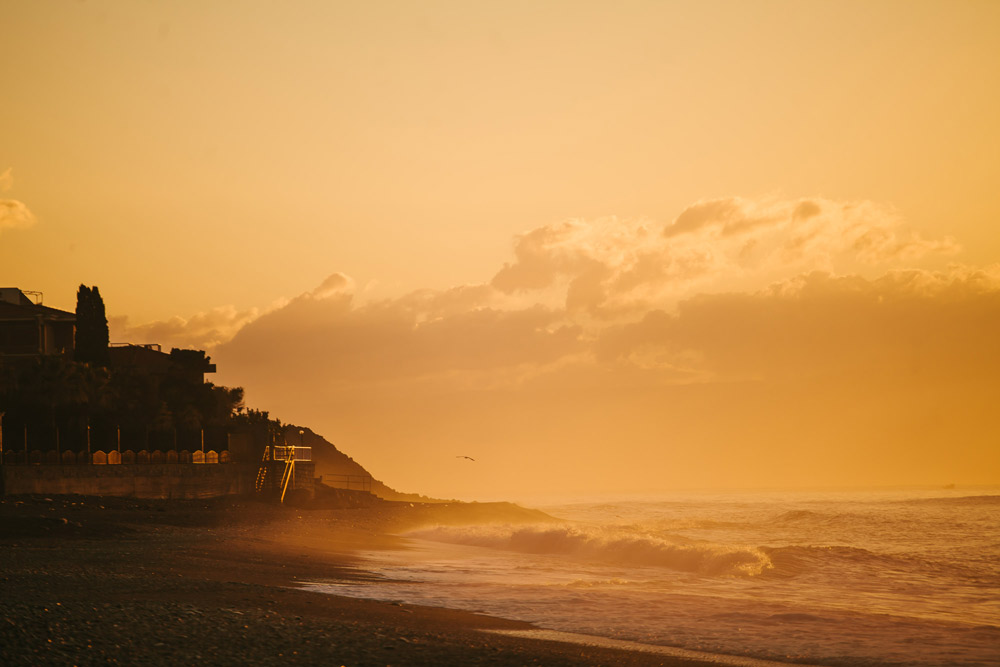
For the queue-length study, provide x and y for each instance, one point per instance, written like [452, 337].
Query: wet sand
[88, 581]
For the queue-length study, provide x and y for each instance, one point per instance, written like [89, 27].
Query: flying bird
[465, 457]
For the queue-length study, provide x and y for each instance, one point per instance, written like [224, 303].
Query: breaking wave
[606, 545]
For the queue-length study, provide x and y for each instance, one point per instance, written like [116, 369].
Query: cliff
[331, 461]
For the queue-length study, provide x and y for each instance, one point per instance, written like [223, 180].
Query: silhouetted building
[149, 359]
[29, 329]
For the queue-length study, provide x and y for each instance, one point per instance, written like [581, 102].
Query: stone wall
[137, 480]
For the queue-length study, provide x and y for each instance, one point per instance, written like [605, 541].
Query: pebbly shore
[96, 581]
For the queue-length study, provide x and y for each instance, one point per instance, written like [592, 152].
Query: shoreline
[93, 580]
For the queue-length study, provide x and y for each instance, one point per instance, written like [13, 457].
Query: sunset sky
[596, 246]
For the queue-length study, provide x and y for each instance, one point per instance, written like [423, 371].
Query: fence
[356, 482]
[69, 457]
[105, 436]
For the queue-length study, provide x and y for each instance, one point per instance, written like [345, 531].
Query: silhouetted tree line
[261, 429]
[55, 403]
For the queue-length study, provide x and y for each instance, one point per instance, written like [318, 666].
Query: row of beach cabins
[113, 457]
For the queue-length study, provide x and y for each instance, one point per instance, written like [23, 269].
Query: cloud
[203, 331]
[333, 341]
[722, 348]
[902, 324]
[610, 268]
[727, 212]
[582, 295]
[335, 284]
[804, 233]
[207, 330]
[13, 214]
[626, 292]
[816, 379]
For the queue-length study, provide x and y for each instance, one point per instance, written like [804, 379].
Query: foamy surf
[847, 580]
[607, 545]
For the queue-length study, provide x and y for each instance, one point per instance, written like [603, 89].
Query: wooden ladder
[262, 471]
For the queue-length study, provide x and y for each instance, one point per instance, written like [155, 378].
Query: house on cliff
[149, 359]
[29, 329]
[133, 423]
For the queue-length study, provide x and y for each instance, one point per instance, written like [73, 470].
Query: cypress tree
[102, 334]
[92, 335]
[84, 325]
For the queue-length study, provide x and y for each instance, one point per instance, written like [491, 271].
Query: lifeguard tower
[283, 468]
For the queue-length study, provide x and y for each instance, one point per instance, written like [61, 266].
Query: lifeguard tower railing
[289, 453]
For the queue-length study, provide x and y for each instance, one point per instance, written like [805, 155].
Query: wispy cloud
[13, 214]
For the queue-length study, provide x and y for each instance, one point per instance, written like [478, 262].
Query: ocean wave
[596, 583]
[606, 545]
[809, 517]
[789, 561]
[987, 500]
[788, 554]
[697, 523]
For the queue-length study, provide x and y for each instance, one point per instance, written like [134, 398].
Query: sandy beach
[90, 581]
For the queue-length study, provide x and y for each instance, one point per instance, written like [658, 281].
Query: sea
[887, 577]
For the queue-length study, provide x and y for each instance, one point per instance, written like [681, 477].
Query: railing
[148, 346]
[355, 482]
[289, 453]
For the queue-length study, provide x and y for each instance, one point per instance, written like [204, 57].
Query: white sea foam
[606, 544]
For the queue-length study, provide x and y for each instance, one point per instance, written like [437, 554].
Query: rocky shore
[94, 581]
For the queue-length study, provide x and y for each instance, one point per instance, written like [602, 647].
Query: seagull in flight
[465, 457]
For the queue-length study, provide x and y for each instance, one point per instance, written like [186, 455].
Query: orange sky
[596, 246]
